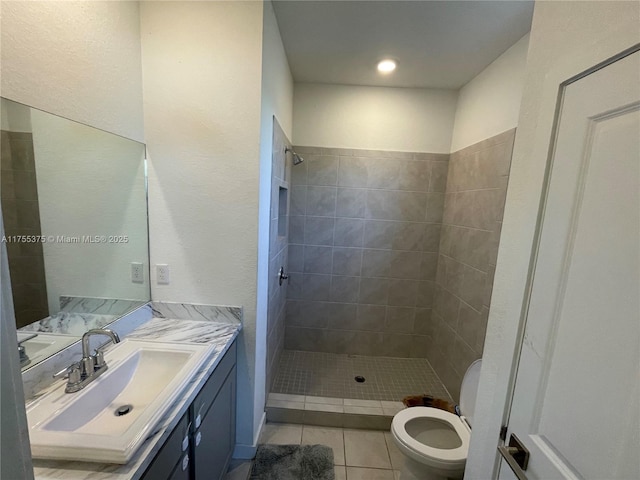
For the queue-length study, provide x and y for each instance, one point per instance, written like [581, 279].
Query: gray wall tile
[351, 202]
[298, 201]
[318, 230]
[316, 287]
[321, 201]
[471, 217]
[352, 172]
[376, 263]
[379, 233]
[409, 236]
[374, 291]
[370, 317]
[344, 314]
[347, 261]
[406, 265]
[344, 289]
[400, 319]
[438, 179]
[296, 258]
[349, 232]
[403, 293]
[365, 232]
[322, 169]
[317, 259]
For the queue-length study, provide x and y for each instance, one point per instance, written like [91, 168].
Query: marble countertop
[221, 335]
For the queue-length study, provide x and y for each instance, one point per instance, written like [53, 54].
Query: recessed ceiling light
[386, 66]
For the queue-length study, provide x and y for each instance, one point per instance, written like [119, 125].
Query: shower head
[297, 159]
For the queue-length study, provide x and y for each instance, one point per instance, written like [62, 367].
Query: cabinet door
[181, 472]
[171, 454]
[214, 440]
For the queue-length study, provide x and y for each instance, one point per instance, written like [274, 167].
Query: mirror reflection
[74, 208]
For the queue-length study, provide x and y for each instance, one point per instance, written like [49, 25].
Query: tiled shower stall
[390, 254]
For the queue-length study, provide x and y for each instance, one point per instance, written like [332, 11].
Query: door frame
[526, 192]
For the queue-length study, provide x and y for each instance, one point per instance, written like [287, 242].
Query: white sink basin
[43, 345]
[143, 377]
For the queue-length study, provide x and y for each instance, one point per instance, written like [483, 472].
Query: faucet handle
[98, 359]
[72, 372]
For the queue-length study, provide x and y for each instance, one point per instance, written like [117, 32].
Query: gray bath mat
[293, 462]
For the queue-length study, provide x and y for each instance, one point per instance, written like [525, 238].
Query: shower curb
[331, 412]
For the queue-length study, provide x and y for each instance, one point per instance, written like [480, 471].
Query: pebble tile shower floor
[333, 375]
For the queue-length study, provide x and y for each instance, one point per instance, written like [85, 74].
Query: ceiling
[437, 44]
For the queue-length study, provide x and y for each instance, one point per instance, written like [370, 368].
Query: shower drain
[123, 410]
[360, 379]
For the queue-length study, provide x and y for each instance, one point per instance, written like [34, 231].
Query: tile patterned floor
[357, 454]
[333, 375]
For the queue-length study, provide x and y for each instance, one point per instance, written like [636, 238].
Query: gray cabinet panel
[183, 469]
[170, 454]
[214, 441]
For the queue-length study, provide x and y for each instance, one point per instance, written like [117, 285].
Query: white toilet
[437, 441]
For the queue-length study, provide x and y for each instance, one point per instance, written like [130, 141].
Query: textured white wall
[276, 100]
[79, 60]
[490, 103]
[566, 39]
[202, 84]
[377, 118]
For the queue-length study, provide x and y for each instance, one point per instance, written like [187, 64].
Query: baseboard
[247, 452]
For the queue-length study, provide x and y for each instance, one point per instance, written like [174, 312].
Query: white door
[576, 401]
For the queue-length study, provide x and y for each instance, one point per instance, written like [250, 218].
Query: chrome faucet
[24, 358]
[90, 367]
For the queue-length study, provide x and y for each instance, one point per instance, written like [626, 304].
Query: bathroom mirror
[74, 206]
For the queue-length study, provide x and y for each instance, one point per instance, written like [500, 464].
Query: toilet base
[424, 472]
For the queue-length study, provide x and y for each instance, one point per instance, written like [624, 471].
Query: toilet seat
[450, 458]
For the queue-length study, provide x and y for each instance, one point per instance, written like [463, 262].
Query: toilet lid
[469, 390]
[450, 456]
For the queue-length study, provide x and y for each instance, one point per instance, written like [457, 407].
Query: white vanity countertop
[166, 330]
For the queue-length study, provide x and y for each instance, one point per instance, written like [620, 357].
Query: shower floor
[333, 375]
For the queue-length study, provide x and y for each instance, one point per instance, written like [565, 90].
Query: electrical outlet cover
[162, 274]
[137, 272]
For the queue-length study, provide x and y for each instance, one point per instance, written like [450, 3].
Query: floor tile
[363, 410]
[352, 402]
[356, 473]
[321, 407]
[341, 473]
[391, 408]
[331, 437]
[399, 461]
[285, 404]
[396, 456]
[366, 449]
[241, 472]
[281, 434]
[286, 397]
[324, 400]
[406, 475]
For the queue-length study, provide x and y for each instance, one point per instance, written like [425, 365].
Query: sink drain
[123, 410]
[360, 379]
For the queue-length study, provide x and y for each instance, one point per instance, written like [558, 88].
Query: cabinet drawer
[207, 395]
[170, 454]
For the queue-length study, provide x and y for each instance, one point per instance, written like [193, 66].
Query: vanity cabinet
[200, 446]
